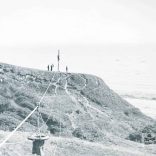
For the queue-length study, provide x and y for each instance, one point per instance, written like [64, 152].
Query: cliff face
[84, 105]
[89, 115]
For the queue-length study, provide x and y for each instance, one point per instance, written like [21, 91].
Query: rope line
[45, 122]
[12, 133]
[36, 108]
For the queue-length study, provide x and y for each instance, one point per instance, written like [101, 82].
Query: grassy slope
[90, 110]
[61, 146]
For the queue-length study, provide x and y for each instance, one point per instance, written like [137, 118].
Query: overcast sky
[109, 38]
[77, 21]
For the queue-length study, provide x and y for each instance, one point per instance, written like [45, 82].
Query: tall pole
[38, 121]
[58, 59]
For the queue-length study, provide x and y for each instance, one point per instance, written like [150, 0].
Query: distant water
[148, 107]
[145, 100]
[133, 76]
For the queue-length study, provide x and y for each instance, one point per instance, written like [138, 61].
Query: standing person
[66, 69]
[48, 67]
[52, 66]
[58, 59]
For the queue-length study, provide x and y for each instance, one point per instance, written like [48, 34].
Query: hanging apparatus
[38, 139]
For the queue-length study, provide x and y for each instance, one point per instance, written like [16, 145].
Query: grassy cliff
[84, 106]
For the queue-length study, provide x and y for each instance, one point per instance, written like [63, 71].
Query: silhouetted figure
[48, 67]
[66, 69]
[51, 67]
[58, 60]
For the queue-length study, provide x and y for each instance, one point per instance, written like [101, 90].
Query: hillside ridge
[89, 108]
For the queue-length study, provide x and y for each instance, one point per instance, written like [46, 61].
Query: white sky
[114, 39]
[77, 21]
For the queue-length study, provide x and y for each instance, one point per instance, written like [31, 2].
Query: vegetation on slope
[83, 104]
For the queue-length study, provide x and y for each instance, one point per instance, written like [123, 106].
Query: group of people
[51, 67]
